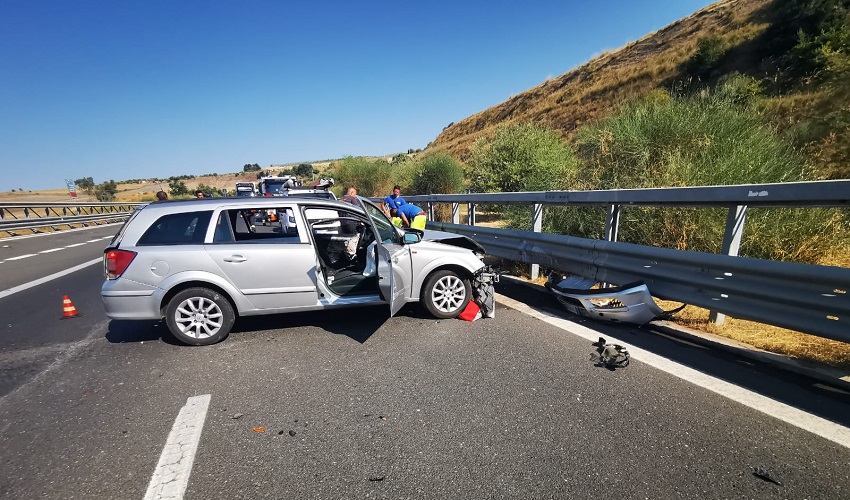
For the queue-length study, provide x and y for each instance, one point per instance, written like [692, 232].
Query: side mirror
[412, 237]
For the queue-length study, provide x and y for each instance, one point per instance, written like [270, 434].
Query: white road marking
[52, 250]
[816, 425]
[19, 257]
[20, 288]
[76, 245]
[171, 475]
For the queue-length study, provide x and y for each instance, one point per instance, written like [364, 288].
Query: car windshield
[274, 187]
[382, 223]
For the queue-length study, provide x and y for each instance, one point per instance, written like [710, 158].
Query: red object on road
[68, 309]
[471, 312]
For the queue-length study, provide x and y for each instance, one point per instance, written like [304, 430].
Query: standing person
[350, 196]
[395, 200]
[411, 216]
[161, 196]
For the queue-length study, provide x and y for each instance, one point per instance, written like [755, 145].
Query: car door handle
[235, 258]
[395, 260]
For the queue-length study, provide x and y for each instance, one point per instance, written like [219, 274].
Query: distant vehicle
[277, 185]
[288, 185]
[246, 189]
[201, 264]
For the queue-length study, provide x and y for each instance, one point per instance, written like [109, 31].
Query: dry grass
[770, 338]
[596, 89]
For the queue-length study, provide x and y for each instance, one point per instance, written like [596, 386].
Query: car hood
[452, 239]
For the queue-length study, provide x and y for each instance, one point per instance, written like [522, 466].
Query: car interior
[346, 250]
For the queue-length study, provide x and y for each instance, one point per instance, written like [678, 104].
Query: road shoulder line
[816, 425]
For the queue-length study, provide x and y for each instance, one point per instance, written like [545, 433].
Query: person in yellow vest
[411, 216]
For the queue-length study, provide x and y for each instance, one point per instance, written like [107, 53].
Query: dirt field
[137, 192]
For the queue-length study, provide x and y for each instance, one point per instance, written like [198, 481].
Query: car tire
[446, 294]
[199, 316]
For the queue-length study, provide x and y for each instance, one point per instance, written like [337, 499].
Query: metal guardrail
[803, 297]
[34, 216]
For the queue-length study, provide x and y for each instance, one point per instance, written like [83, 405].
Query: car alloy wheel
[199, 316]
[446, 294]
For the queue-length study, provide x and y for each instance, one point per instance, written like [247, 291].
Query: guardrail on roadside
[34, 216]
[803, 297]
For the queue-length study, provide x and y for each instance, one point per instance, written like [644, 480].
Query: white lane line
[96, 240]
[20, 288]
[52, 250]
[171, 475]
[19, 257]
[76, 245]
[816, 425]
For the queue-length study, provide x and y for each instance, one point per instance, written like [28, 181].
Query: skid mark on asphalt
[171, 475]
[816, 425]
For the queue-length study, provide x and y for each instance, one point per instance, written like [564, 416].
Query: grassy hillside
[595, 89]
[756, 38]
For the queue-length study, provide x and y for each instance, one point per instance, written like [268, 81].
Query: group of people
[401, 213]
[408, 215]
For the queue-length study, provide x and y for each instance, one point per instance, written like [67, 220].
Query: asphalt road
[353, 404]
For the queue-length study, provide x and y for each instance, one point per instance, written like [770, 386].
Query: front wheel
[199, 316]
[446, 294]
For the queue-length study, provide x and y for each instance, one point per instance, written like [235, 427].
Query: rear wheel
[199, 316]
[446, 294]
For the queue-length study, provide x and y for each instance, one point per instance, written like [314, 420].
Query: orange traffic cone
[68, 309]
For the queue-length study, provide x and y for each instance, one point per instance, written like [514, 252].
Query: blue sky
[152, 88]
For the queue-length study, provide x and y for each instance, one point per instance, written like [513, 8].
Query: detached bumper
[631, 303]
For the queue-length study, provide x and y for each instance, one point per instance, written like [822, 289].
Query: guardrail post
[26, 213]
[612, 223]
[735, 220]
[470, 214]
[430, 210]
[537, 227]
[455, 213]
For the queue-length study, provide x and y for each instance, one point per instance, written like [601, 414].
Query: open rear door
[391, 259]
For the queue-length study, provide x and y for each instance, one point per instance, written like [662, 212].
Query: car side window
[186, 228]
[258, 225]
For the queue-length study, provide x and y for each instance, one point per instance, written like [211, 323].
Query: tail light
[115, 262]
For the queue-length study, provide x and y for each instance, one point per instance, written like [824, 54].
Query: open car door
[391, 257]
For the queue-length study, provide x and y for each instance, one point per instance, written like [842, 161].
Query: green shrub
[438, 173]
[370, 178]
[699, 140]
[523, 157]
[710, 53]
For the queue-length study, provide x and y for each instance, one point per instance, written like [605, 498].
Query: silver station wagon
[202, 263]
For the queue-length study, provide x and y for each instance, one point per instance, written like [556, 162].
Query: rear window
[186, 228]
[120, 234]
